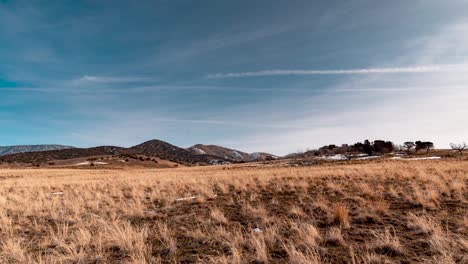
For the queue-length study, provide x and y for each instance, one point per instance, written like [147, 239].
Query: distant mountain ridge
[60, 154]
[151, 148]
[168, 151]
[198, 154]
[6, 150]
[230, 154]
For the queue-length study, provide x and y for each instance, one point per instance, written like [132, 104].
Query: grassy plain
[370, 212]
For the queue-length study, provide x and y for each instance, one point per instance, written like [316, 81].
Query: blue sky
[276, 76]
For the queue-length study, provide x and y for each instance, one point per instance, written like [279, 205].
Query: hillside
[219, 151]
[6, 150]
[62, 154]
[152, 148]
[164, 150]
[228, 153]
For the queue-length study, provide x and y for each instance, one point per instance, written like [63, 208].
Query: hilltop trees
[418, 145]
[365, 147]
[378, 146]
[382, 147]
[427, 145]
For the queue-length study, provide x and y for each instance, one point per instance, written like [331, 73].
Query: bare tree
[459, 147]
[348, 155]
[408, 146]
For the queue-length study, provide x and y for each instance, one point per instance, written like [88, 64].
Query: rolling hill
[164, 150]
[61, 154]
[152, 148]
[6, 150]
[227, 153]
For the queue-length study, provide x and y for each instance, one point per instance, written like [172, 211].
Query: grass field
[374, 212]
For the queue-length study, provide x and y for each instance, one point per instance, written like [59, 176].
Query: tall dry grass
[358, 212]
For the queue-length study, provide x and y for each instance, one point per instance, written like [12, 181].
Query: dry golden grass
[387, 243]
[335, 237]
[218, 216]
[371, 212]
[341, 216]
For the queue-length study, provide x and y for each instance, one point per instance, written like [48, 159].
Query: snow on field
[334, 157]
[360, 155]
[368, 157]
[339, 157]
[353, 157]
[89, 163]
[423, 158]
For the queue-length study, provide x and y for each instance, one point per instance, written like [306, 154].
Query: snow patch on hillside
[199, 151]
[237, 155]
[255, 156]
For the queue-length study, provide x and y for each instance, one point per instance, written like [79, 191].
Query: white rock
[257, 230]
[186, 198]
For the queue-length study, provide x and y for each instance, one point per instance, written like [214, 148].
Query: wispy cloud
[242, 124]
[409, 89]
[112, 79]
[130, 89]
[392, 70]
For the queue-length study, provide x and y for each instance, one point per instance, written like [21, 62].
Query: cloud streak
[392, 70]
[112, 79]
[129, 89]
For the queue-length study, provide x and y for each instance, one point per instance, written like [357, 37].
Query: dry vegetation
[386, 212]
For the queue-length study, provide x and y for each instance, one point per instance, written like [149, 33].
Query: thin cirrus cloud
[112, 79]
[391, 70]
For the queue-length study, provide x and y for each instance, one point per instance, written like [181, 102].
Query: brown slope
[63, 154]
[230, 154]
[153, 148]
[219, 151]
[167, 151]
[7, 150]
